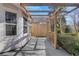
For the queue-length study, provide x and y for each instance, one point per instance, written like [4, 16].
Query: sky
[68, 18]
[38, 8]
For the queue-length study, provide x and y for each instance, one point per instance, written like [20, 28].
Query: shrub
[58, 31]
[70, 42]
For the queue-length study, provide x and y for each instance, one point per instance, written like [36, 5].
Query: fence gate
[39, 29]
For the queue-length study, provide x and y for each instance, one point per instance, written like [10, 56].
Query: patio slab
[43, 48]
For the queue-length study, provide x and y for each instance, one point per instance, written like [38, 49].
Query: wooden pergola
[52, 19]
[49, 4]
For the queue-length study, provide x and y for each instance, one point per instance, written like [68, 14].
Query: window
[25, 29]
[25, 25]
[10, 19]
[10, 30]
[25, 21]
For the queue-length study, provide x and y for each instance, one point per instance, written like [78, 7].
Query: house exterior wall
[6, 40]
[2, 19]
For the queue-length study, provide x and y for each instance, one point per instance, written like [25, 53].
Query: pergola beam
[43, 11]
[39, 15]
[73, 9]
[50, 4]
[39, 11]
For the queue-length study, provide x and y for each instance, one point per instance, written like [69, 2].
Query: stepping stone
[19, 54]
[34, 53]
[40, 44]
[40, 47]
[1, 55]
[28, 47]
[29, 53]
[40, 53]
[8, 54]
[33, 41]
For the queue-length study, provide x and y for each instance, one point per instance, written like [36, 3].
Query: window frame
[11, 23]
[24, 25]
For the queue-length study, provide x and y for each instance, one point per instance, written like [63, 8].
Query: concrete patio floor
[38, 46]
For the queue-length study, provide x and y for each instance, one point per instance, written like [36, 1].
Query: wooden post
[60, 25]
[55, 32]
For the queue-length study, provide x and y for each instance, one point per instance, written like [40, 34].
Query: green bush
[58, 31]
[78, 34]
[73, 34]
[70, 42]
